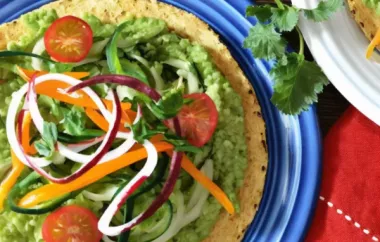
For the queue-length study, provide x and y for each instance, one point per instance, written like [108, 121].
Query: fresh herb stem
[280, 4]
[302, 42]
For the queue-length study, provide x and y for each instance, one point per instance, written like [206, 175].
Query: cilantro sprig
[46, 145]
[142, 131]
[296, 80]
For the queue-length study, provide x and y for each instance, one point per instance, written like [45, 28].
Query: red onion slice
[73, 154]
[96, 157]
[119, 200]
[121, 80]
[17, 98]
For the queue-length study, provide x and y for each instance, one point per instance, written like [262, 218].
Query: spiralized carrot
[55, 89]
[51, 191]
[28, 74]
[100, 121]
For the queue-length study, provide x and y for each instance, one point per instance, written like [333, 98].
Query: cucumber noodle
[185, 216]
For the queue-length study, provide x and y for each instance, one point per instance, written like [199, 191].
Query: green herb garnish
[296, 80]
[46, 145]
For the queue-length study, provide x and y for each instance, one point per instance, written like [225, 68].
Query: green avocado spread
[374, 4]
[145, 44]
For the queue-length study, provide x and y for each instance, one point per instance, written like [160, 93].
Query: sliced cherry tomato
[71, 223]
[68, 39]
[197, 119]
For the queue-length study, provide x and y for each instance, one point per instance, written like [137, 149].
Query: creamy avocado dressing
[149, 40]
[374, 4]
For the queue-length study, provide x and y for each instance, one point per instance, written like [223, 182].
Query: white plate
[339, 47]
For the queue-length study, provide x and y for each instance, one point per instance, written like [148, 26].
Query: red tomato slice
[71, 223]
[198, 119]
[68, 39]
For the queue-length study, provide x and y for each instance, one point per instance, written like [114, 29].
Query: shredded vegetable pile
[114, 124]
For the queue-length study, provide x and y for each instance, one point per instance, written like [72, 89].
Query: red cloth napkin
[348, 208]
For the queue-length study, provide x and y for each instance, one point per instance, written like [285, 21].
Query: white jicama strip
[17, 98]
[160, 84]
[194, 207]
[101, 197]
[39, 121]
[192, 80]
[175, 225]
[184, 71]
[38, 49]
[113, 154]
[177, 63]
[146, 171]
[142, 60]
[119, 151]
[110, 135]
[82, 146]
[106, 239]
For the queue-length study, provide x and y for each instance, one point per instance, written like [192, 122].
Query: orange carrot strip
[28, 74]
[124, 116]
[50, 89]
[97, 118]
[51, 191]
[101, 122]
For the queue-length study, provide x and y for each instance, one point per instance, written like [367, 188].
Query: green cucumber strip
[21, 53]
[129, 206]
[21, 187]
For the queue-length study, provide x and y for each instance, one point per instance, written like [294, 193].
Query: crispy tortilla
[366, 17]
[228, 228]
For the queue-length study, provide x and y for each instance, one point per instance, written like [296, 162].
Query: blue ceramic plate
[294, 170]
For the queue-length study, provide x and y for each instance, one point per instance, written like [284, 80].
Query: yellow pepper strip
[11, 179]
[51, 191]
[374, 43]
[29, 149]
[207, 183]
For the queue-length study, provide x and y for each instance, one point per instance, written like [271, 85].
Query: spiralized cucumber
[188, 214]
[159, 82]
[184, 70]
[105, 196]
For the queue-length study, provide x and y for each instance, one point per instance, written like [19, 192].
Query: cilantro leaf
[43, 148]
[180, 144]
[265, 42]
[171, 102]
[297, 84]
[168, 106]
[285, 19]
[74, 122]
[141, 131]
[324, 10]
[263, 13]
[46, 145]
